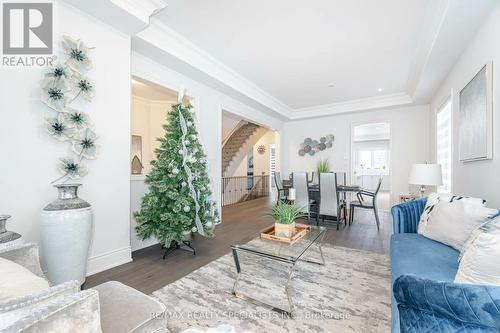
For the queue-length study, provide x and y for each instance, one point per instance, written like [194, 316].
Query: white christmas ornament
[175, 171]
[189, 124]
[187, 208]
[183, 184]
[194, 229]
[191, 176]
[187, 142]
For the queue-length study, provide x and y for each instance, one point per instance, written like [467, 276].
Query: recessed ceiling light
[379, 89]
[331, 85]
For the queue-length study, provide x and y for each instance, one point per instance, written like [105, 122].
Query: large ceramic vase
[66, 233]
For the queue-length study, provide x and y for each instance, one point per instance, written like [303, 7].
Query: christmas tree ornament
[186, 209]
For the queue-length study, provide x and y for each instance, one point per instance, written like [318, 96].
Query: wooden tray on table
[300, 231]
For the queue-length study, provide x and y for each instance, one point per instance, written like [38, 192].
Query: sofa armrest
[405, 216]
[433, 305]
[25, 255]
[77, 312]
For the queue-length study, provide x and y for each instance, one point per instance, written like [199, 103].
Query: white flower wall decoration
[64, 83]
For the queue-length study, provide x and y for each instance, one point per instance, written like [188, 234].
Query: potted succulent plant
[285, 216]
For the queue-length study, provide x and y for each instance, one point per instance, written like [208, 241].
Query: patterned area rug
[350, 293]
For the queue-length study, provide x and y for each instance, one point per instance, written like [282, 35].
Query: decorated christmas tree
[178, 203]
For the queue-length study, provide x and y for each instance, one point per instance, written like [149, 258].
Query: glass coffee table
[284, 253]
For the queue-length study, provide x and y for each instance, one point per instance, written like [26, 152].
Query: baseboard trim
[109, 260]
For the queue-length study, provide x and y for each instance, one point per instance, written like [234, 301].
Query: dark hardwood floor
[149, 272]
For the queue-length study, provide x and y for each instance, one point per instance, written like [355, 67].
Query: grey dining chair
[301, 186]
[314, 178]
[279, 187]
[341, 180]
[366, 200]
[329, 203]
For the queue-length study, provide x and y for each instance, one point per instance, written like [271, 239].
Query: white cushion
[480, 263]
[451, 219]
[17, 281]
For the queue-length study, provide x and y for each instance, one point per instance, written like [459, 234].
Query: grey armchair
[110, 307]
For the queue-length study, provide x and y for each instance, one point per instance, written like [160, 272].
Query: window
[443, 144]
[379, 159]
[373, 159]
[272, 162]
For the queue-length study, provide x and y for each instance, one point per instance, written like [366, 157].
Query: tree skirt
[351, 293]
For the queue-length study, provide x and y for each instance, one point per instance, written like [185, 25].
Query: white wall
[29, 156]
[479, 178]
[229, 122]
[148, 118]
[138, 189]
[409, 137]
[261, 162]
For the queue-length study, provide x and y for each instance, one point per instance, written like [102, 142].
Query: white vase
[66, 228]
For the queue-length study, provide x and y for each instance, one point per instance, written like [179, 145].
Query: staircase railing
[244, 188]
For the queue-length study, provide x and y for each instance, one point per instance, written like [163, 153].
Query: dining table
[344, 192]
[314, 188]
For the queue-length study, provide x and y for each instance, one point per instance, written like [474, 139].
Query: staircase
[235, 142]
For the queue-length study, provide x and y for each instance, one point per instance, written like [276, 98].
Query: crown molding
[128, 16]
[362, 104]
[167, 40]
[152, 101]
[142, 9]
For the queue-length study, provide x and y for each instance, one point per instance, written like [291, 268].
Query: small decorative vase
[66, 233]
[5, 235]
[284, 230]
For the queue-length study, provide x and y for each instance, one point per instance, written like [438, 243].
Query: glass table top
[281, 251]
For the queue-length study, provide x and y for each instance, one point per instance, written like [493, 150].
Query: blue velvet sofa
[425, 299]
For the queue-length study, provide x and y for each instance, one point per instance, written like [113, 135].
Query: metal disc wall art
[311, 147]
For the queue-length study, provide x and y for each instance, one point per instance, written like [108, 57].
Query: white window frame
[441, 108]
[272, 163]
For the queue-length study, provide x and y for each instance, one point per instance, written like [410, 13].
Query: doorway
[371, 159]
[249, 157]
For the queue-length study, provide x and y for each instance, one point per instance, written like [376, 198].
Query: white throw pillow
[435, 198]
[480, 263]
[451, 220]
[17, 281]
